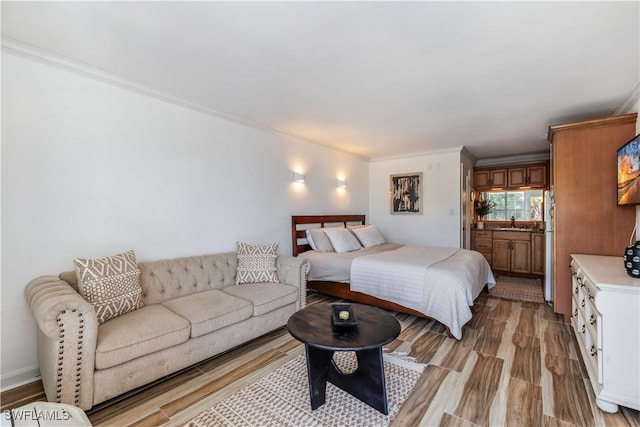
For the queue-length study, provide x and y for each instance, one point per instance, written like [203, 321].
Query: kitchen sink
[512, 229]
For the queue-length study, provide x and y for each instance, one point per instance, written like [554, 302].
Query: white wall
[90, 169]
[439, 225]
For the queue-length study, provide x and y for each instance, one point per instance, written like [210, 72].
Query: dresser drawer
[483, 234]
[512, 235]
[484, 245]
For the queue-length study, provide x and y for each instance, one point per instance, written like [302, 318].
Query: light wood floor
[516, 365]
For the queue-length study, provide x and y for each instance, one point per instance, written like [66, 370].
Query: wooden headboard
[300, 223]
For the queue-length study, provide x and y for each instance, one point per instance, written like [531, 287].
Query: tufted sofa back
[172, 278]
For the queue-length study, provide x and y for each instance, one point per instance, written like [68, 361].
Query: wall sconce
[298, 177]
[342, 184]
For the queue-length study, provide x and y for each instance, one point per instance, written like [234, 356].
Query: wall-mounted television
[629, 173]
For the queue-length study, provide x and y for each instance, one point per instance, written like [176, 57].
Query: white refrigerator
[548, 242]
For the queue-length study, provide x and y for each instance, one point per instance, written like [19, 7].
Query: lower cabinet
[512, 251]
[605, 317]
[481, 241]
[537, 253]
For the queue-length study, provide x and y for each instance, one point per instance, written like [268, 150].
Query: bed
[429, 282]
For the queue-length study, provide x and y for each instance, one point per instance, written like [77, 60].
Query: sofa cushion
[138, 333]
[256, 263]
[211, 310]
[265, 296]
[110, 284]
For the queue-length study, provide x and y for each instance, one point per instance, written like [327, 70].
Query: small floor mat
[518, 289]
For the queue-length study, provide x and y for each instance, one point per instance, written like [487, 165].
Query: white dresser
[606, 321]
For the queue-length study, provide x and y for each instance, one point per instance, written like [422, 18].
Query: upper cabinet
[511, 177]
[531, 176]
[489, 178]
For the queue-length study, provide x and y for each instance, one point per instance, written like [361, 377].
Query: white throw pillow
[342, 240]
[318, 240]
[369, 236]
[256, 263]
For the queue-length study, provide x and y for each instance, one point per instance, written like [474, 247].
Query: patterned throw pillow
[256, 263]
[110, 284]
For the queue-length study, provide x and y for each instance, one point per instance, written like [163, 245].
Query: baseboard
[19, 378]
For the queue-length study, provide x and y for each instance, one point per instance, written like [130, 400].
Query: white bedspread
[441, 283]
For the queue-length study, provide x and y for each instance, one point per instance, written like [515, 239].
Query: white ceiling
[378, 79]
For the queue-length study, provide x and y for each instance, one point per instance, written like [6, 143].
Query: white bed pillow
[342, 240]
[354, 227]
[318, 240]
[369, 235]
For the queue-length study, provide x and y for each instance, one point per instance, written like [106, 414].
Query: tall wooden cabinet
[587, 219]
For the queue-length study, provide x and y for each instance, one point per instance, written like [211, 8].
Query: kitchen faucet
[513, 221]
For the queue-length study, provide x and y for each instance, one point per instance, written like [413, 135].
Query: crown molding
[456, 149]
[631, 104]
[48, 58]
[508, 160]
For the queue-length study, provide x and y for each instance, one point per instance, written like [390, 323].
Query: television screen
[629, 173]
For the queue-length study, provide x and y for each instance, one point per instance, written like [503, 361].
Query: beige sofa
[192, 310]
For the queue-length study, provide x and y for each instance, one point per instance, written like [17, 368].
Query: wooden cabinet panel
[520, 257]
[489, 179]
[586, 216]
[517, 177]
[531, 176]
[537, 253]
[501, 255]
[481, 180]
[511, 177]
[537, 176]
[481, 241]
[498, 178]
[512, 251]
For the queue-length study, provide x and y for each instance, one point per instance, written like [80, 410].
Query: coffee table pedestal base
[366, 383]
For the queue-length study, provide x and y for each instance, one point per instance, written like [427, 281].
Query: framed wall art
[406, 194]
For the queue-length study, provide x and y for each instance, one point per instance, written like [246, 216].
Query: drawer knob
[592, 319]
[583, 328]
[592, 350]
[575, 312]
[582, 303]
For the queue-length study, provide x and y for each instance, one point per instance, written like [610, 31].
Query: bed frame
[299, 242]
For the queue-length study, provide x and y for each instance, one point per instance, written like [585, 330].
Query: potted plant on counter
[482, 209]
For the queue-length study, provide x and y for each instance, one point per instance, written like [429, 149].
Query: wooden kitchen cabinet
[530, 176]
[481, 241]
[586, 216]
[537, 253]
[489, 178]
[512, 251]
[512, 177]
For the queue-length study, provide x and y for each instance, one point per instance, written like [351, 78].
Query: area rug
[281, 398]
[518, 289]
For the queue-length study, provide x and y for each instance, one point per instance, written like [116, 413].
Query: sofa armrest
[293, 271]
[67, 334]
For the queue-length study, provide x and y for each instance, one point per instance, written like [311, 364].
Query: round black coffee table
[313, 326]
